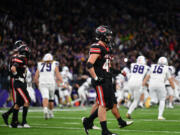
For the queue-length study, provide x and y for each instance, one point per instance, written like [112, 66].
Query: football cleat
[5, 118]
[126, 123]
[96, 128]
[46, 116]
[25, 125]
[15, 125]
[161, 118]
[85, 125]
[128, 116]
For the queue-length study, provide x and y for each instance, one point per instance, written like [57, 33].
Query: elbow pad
[89, 65]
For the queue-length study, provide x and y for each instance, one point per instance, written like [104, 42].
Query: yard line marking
[54, 110]
[72, 123]
[79, 118]
[122, 130]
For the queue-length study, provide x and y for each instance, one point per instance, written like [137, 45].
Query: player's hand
[98, 81]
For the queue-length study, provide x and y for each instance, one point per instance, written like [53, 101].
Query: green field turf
[68, 122]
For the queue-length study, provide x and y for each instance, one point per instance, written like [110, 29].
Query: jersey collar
[102, 44]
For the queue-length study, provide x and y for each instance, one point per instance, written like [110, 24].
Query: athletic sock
[93, 116]
[104, 126]
[15, 116]
[10, 111]
[121, 121]
[24, 115]
[161, 108]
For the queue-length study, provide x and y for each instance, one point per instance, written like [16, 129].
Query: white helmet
[88, 80]
[141, 60]
[172, 69]
[179, 73]
[163, 61]
[48, 57]
[65, 68]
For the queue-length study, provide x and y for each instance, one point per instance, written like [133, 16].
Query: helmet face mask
[24, 50]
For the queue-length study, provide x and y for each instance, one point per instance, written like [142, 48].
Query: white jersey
[120, 80]
[66, 76]
[159, 74]
[29, 78]
[172, 74]
[47, 72]
[86, 85]
[137, 74]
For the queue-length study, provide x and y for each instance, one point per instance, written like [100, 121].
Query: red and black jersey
[102, 64]
[20, 62]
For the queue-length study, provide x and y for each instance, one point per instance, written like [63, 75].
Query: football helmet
[163, 61]
[172, 69]
[105, 34]
[88, 80]
[141, 60]
[178, 73]
[24, 50]
[48, 57]
[65, 69]
[18, 43]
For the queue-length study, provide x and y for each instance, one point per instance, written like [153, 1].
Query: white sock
[50, 112]
[161, 108]
[45, 110]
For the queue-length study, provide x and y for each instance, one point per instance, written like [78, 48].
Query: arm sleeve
[95, 49]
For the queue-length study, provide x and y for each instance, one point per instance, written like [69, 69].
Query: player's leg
[45, 95]
[61, 96]
[51, 101]
[161, 94]
[116, 113]
[137, 94]
[67, 97]
[27, 101]
[170, 96]
[5, 115]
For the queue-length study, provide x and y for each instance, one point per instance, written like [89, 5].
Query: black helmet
[24, 50]
[18, 43]
[104, 33]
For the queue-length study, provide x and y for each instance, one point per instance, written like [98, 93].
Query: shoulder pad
[95, 49]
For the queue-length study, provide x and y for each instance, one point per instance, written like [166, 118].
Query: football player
[98, 65]
[13, 55]
[46, 74]
[138, 72]
[18, 70]
[29, 86]
[170, 91]
[157, 76]
[66, 91]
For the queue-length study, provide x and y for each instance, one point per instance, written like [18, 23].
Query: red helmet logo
[101, 29]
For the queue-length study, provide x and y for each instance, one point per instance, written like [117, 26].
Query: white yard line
[55, 110]
[79, 118]
[121, 130]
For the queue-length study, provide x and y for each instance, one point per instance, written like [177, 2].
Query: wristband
[15, 73]
[96, 78]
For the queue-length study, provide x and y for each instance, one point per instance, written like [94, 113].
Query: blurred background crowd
[66, 29]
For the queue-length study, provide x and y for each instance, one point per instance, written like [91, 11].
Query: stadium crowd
[65, 29]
